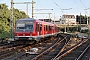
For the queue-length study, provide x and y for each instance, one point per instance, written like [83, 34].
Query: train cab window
[29, 27]
[20, 26]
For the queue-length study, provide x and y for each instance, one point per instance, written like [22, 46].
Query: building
[68, 20]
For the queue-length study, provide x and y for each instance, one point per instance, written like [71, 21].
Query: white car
[32, 51]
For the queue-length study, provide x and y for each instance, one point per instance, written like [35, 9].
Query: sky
[60, 7]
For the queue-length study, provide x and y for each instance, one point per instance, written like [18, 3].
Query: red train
[33, 30]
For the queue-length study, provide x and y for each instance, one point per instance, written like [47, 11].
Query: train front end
[24, 30]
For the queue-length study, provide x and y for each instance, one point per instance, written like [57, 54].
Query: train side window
[40, 27]
[47, 27]
[44, 27]
[37, 27]
[58, 28]
[50, 28]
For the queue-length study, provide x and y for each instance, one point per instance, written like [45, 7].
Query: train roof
[37, 20]
[27, 19]
[45, 23]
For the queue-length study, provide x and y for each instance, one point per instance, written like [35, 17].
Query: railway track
[9, 50]
[52, 51]
[42, 47]
[85, 55]
[55, 49]
[75, 52]
[22, 50]
[47, 46]
[8, 46]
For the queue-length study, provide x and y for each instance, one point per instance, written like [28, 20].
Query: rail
[48, 50]
[63, 48]
[68, 51]
[83, 52]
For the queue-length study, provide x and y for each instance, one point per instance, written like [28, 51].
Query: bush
[84, 31]
[62, 29]
[4, 35]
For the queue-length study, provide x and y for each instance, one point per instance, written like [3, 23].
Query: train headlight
[52, 33]
[16, 38]
[30, 38]
[30, 34]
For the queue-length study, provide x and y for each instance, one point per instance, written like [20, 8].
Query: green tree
[5, 15]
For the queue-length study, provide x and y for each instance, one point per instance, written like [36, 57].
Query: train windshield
[24, 26]
[29, 27]
[20, 26]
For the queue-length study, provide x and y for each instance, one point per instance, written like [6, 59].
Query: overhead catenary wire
[75, 1]
[42, 8]
[83, 6]
[82, 3]
[57, 6]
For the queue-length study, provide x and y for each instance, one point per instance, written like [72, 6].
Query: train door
[46, 29]
[50, 31]
[37, 29]
[53, 29]
[40, 26]
[50, 28]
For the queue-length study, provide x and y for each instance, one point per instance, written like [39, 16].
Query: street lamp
[65, 18]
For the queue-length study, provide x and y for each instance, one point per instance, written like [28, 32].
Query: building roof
[68, 16]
